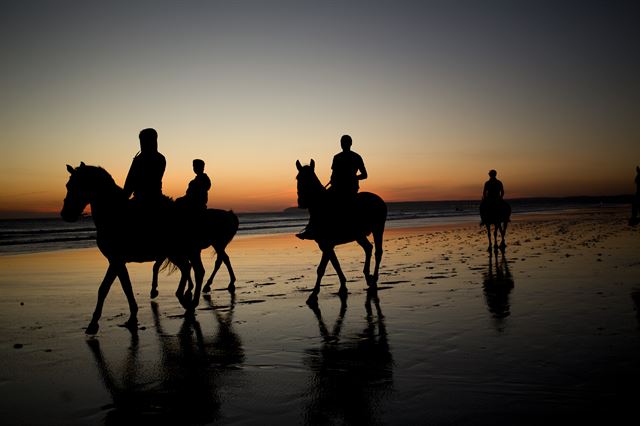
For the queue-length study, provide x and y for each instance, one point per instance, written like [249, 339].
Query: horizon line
[30, 214]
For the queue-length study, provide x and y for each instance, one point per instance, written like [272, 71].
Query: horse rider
[345, 167]
[347, 170]
[197, 192]
[493, 192]
[144, 179]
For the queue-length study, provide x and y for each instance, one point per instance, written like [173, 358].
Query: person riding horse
[144, 179]
[196, 196]
[347, 170]
[492, 196]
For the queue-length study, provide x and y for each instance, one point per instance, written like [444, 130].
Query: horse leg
[342, 291]
[198, 274]
[503, 232]
[154, 281]
[322, 267]
[125, 282]
[377, 240]
[488, 226]
[368, 249]
[223, 257]
[232, 276]
[109, 277]
[495, 236]
[216, 267]
[185, 276]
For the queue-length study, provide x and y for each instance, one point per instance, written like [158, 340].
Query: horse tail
[168, 266]
[232, 229]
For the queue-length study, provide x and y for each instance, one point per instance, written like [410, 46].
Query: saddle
[338, 218]
[494, 211]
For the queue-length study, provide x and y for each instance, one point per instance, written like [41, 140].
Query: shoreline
[434, 223]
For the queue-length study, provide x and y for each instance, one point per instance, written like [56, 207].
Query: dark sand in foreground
[549, 331]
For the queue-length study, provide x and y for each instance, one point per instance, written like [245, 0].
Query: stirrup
[306, 234]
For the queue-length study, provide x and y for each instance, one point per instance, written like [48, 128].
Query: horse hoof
[183, 302]
[206, 288]
[312, 300]
[231, 288]
[154, 293]
[92, 328]
[131, 324]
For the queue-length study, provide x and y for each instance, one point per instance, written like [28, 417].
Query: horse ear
[82, 164]
[312, 164]
[298, 165]
[69, 169]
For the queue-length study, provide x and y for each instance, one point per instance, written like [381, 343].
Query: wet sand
[549, 331]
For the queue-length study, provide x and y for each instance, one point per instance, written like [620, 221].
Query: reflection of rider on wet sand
[347, 170]
[144, 179]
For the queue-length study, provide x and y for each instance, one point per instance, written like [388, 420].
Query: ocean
[21, 236]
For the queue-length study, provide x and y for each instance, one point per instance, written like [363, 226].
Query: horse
[497, 214]
[224, 225]
[369, 214]
[128, 233]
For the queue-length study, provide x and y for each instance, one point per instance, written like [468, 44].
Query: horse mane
[315, 183]
[99, 175]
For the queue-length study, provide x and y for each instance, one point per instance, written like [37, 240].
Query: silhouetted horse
[497, 214]
[128, 233]
[368, 215]
[224, 225]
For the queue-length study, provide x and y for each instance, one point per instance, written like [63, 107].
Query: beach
[549, 330]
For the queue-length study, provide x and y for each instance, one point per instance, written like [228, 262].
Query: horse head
[85, 182]
[309, 186]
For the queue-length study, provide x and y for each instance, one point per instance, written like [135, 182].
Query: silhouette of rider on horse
[347, 170]
[492, 196]
[197, 196]
[144, 179]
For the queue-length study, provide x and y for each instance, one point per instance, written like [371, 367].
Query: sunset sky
[434, 94]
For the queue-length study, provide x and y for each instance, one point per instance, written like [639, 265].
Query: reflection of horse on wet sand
[369, 215]
[498, 214]
[497, 285]
[128, 233]
[352, 374]
[184, 386]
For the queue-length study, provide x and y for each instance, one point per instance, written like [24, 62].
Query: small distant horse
[368, 216]
[224, 225]
[497, 214]
[125, 235]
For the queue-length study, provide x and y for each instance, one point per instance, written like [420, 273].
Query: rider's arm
[129, 181]
[363, 171]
